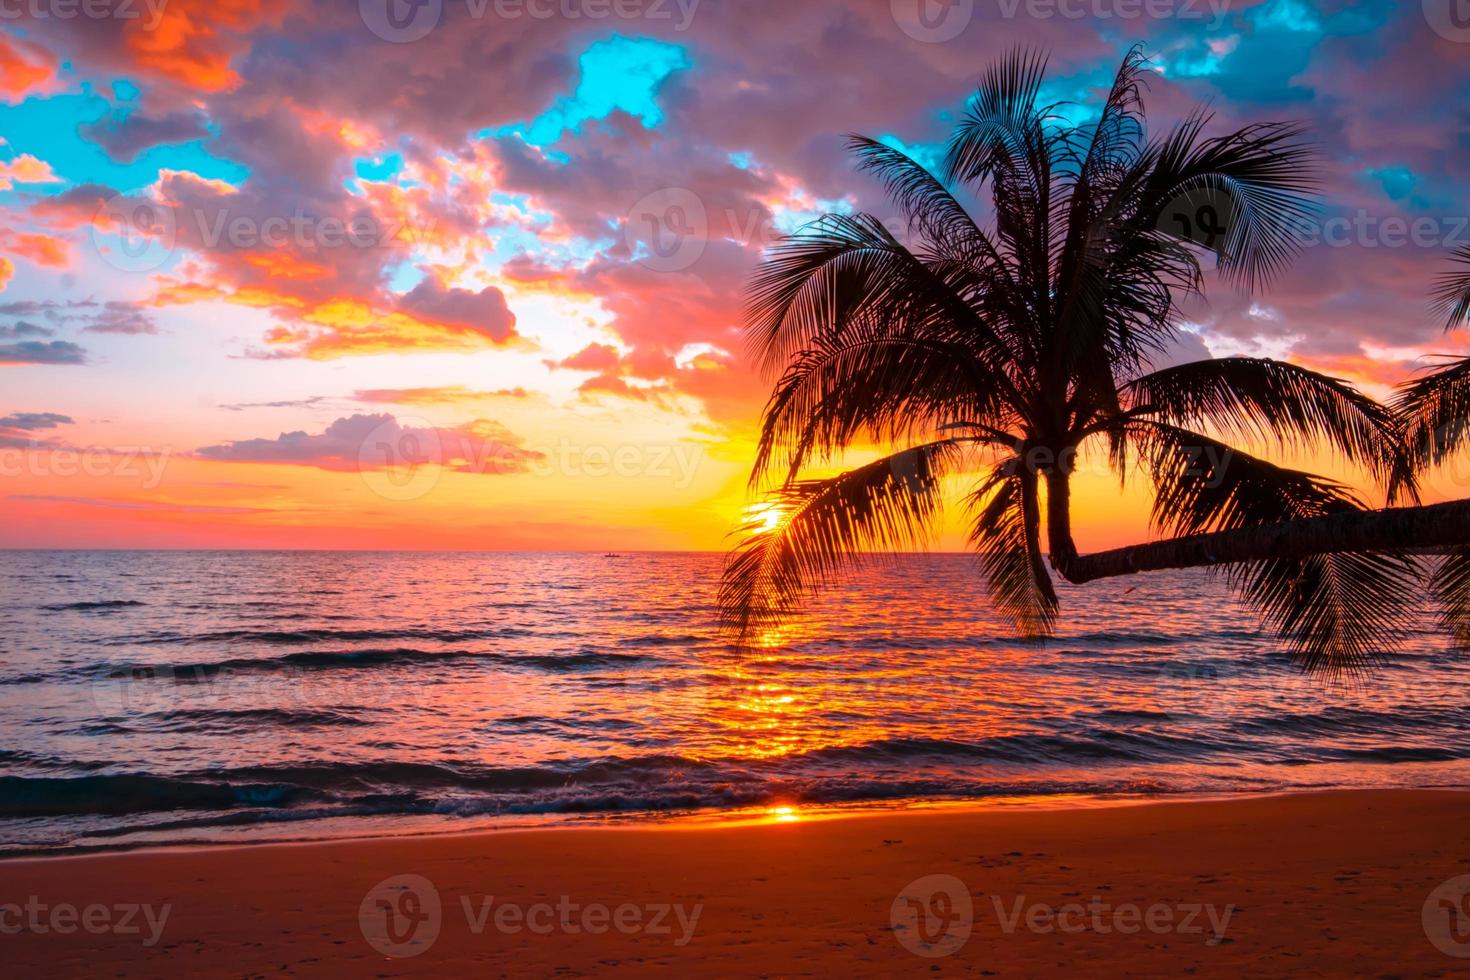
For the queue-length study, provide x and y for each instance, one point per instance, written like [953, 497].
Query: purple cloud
[38, 352]
[483, 312]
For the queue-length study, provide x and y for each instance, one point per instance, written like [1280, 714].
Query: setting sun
[764, 517]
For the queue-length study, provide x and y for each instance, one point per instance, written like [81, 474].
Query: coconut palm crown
[1011, 344]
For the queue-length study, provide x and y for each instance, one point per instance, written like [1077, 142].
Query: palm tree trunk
[1392, 529]
[1031, 524]
[1059, 521]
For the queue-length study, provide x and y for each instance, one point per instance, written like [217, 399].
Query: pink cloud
[372, 442]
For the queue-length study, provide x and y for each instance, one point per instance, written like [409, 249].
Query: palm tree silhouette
[1033, 336]
[1436, 415]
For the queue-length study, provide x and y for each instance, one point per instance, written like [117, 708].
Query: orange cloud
[43, 250]
[25, 68]
[341, 326]
[445, 395]
[7, 270]
[351, 326]
[26, 169]
[284, 265]
[196, 43]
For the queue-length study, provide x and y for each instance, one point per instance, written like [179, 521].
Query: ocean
[170, 697]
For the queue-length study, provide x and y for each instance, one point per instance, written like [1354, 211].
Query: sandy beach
[1326, 884]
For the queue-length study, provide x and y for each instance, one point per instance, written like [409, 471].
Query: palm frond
[1266, 171]
[1340, 613]
[1002, 131]
[1116, 138]
[890, 389]
[1262, 399]
[1452, 290]
[1435, 410]
[1450, 583]
[842, 269]
[1336, 612]
[1005, 534]
[889, 504]
[926, 202]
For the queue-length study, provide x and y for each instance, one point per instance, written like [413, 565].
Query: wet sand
[1325, 884]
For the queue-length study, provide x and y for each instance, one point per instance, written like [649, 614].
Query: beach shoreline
[401, 826]
[1265, 884]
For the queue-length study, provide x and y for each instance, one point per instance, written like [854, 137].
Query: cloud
[482, 312]
[445, 395]
[113, 316]
[122, 318]
[26, 169]
[751, 129]
[38, 352]
[44, 250]
[593, 357]
[285, 403]
[127, 137]
[371, 442]
[191, 47]
[313, 255]
[34, 421]
[25, 69]
[17, 429]
[24, 329]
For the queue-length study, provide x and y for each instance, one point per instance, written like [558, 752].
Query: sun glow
[765, 517]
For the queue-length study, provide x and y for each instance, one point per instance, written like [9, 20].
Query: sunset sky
[252, 252]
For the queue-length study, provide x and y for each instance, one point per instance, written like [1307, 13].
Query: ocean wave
[93, 606]
[666, 640]
[41, 796]
[187, 672]
[227, 720]
[586, 660]
[275, 793]
[309, 636]
[1028, 748]
[1401, 753]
